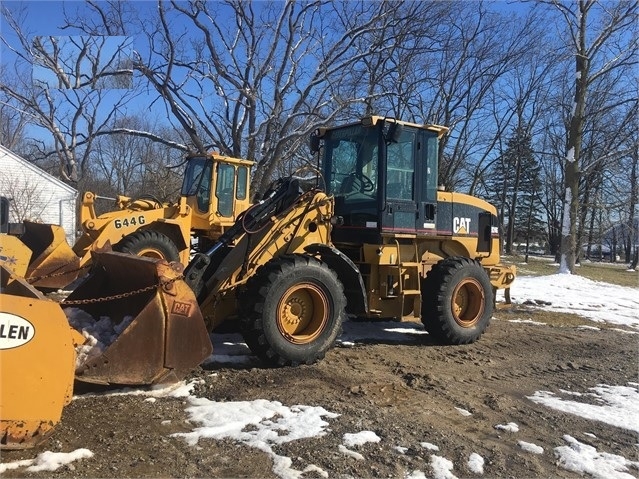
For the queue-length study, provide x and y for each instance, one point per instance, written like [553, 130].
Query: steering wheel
[359, 184]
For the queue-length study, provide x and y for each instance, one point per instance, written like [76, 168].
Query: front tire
[149, 243]
[292, 310]
[457, 301]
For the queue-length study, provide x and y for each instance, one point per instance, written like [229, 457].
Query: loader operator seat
[348, 185]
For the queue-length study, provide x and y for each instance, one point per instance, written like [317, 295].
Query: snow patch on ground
[429, 446]
[442, 467]
[584, 459]
[527, 321]
[360, 438]
[569, 293]
[48, 461]
[614, 405]
[347, 452]
[476, 463]
[530, 447]
[416, 475]
[510, 427]
[463, 412]
[260, 424]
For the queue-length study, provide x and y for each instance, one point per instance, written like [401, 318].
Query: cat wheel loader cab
[421, 252]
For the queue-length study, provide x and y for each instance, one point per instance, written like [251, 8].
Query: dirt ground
[406, 393]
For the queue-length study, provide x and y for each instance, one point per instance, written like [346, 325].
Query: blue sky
[45, 17]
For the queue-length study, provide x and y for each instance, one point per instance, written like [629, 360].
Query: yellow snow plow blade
[14, 255]
[142, 322]
[37, 362]
[53, 263]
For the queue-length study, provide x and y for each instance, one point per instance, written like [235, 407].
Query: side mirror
[314, 143]
[394, 132]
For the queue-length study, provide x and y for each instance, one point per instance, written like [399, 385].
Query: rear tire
[149, 243]
[457, 301]
[292, 310]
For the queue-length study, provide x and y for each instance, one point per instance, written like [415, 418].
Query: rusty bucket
[158, 334]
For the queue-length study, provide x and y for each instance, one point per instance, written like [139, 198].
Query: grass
[614, 273]
[508, 312]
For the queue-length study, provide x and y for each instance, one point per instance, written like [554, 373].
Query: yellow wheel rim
[151, 253]
[302, 313]
[468, 303]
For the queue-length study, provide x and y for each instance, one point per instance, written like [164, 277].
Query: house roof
[38, 171]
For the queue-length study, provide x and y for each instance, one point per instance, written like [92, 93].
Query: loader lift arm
[282, 194]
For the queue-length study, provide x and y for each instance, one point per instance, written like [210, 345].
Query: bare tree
[12, 122]
[133, 165]
[460, 84]
[254, 79]
[25, 198]
[601, 41]
[67, 97]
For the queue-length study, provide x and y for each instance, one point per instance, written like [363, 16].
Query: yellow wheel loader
[215, 190]
[370, 236]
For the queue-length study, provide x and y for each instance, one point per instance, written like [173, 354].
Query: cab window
[401, 167]
[242, 183]
[224, 189]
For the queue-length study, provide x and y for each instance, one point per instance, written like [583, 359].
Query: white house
[35, 195]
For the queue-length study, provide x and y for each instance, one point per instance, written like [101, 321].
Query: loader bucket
[53, 262]
[160, 332]
[37, 362]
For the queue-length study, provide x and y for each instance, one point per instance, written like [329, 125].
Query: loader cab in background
[216, 188]
[383, 175]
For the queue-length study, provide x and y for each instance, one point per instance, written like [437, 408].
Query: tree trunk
[573, 153]
[634, 194]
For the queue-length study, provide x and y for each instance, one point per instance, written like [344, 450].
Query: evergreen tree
[515, 189]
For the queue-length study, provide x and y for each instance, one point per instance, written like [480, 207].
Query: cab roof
[374, 120]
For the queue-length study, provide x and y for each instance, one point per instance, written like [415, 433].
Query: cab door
[426, 154]
[401, 204]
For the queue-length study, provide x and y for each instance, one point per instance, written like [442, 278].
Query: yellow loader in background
[215, 190]
[366, 234]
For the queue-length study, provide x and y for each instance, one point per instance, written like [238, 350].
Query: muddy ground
[406, 393]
